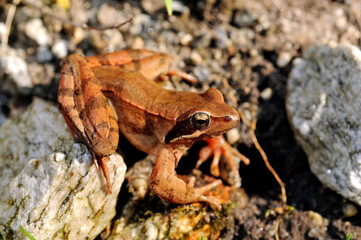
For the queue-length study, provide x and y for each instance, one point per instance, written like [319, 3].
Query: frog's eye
[200, 120]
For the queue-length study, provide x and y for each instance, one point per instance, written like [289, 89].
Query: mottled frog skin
[102, 95]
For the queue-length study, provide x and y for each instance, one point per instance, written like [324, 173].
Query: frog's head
[210, 117]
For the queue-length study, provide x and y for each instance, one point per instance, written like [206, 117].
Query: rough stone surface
[324, 109]
[49, 184]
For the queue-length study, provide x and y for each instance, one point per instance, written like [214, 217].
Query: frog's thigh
[166, 185]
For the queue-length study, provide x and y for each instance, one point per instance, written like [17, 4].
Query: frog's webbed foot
[218, 147]
[206, 188]
[165, 183]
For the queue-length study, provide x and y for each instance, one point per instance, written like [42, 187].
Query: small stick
[252, 127]
[8, 22]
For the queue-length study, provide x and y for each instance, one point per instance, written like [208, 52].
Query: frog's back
[140, 104]
[134, 89]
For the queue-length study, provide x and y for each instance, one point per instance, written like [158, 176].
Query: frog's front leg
[218, 146]
[87, 111]
[166, 185]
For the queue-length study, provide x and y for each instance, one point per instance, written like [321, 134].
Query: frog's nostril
[227, 118]
[232, 117]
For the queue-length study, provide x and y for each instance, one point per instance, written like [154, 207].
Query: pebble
[114, 40]
[196, 58]
[220, 34]
[202, 73]
[138, 43]
[60, 48]
[109, 16]
[266, 94]
[151, 6]
[179, 7]
[140, 22]
[186, 39]
[233, 136]
[17, 69]
[35, 30]
[283, 59]
[264, 22]
[349, 210]
[341, 22]
[44, 55]
[317, 219]
[242, 19]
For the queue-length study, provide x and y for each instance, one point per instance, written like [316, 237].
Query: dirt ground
[250, 45]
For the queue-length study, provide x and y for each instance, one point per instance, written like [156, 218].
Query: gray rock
[140, 23]
[44, 55]
[49, 184]
[324, 110]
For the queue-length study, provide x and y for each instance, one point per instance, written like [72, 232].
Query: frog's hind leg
[165, 183]
[67, 104]
[87, 111]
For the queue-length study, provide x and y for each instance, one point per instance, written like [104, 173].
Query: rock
[138, 177]
[324, 109]
[202, 73]
[349, 210]
[196, 58]
[140, 23]
[151, 6]
[243, 19]
[267, 94]
[44, 55]
[283, 59]
[17, 71]
[109, 16]
[60, 48]
[35, 30]
[147, 217]
[49, 184]
[185, 39]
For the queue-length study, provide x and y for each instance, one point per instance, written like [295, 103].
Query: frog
[103, 95]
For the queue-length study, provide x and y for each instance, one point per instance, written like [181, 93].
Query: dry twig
[47, 11]
[8, 23]
[252, 126]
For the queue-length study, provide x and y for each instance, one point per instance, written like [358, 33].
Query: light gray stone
[36, 30]
[324, 109]
[60, 48]
[49, 184]
[17, 70]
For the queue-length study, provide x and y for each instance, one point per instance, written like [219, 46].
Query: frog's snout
[233, 117]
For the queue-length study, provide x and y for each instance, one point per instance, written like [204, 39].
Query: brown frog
[102, 95]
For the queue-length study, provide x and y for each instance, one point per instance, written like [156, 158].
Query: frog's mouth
[186, 138]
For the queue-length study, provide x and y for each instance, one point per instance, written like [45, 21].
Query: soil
[250, 45]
